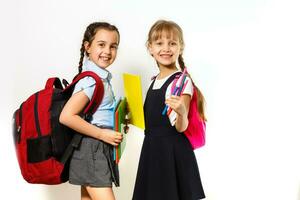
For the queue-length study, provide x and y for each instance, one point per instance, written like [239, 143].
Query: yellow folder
[133, 94]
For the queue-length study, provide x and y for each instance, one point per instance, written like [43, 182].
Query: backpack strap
[53, 82]
[98, 91]
[88, 111]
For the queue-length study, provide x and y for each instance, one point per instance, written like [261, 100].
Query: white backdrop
[244, 56]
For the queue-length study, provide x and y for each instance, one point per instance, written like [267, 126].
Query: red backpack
[43, 145]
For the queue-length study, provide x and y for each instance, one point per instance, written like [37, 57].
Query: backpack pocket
[39, 149]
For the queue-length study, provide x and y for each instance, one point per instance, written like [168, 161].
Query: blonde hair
[173, 30]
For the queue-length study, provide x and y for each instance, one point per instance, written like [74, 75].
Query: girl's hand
[181, 106]
[177, 104]
[111, 137]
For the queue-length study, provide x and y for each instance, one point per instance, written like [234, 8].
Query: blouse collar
[101, 72]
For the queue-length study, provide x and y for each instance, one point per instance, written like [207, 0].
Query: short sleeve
[86, 84]
[189, 87]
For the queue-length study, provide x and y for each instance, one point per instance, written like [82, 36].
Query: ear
[87, 46]
[150, 49]
[181, 50]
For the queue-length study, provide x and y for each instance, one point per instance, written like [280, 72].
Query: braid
[82, 50]
[181, 62]
[201, 100]
[201, 103]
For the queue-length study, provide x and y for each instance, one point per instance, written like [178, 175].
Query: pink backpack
[195, 131]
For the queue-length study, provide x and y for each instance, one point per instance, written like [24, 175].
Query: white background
[244, 56]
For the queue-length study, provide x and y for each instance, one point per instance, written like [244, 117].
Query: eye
[173, 43]
[114, 46]
[158, 43]
[101, 45]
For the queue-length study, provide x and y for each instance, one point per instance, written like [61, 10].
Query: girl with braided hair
[168, 168]
[92, 165]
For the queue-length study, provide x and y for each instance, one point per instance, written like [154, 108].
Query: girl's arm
[180, 104]
[70, 117]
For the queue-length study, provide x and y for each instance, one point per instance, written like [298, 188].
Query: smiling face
[103, 49]
[165, 43]
[165, 50]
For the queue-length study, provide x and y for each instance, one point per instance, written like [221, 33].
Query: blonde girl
[167, 168]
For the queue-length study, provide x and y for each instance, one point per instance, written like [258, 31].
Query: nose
[166, 47]
[107, 49]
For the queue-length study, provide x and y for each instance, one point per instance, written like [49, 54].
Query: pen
[179, 93]
[166, 107]
[178, 88]
[182, 85]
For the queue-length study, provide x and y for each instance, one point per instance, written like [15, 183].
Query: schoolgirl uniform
[92, 163]
[167, 168]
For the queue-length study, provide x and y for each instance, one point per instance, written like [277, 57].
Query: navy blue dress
[167, 168]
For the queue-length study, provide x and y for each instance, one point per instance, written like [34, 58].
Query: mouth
[104, 58]
[165, 55]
